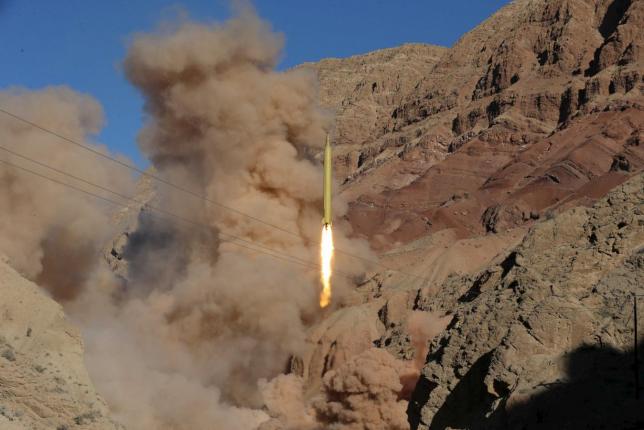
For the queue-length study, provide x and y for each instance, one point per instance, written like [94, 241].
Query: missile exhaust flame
[326, 251]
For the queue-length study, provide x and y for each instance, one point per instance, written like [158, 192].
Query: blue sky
[80, 43]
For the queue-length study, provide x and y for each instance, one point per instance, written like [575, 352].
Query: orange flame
[326, 252]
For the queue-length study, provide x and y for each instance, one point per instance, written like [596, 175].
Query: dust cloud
[422, 327]
[370, 390]
[45, 228]
[189, 336]
[363, 393]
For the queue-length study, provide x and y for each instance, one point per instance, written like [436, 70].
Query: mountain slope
[536, 111]
[43, 380]
[530, 112]
[361, 91]
[543, 339]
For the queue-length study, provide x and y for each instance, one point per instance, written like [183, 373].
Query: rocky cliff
[43, 380]
[362, 91]
[481, 173]
[544, 338]
[533, 111]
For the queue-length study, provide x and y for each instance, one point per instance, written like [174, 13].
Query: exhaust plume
[210, 318]
[363, 393]
[326, 251]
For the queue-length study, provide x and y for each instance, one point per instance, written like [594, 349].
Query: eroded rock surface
[43, 380]
[544, 338]
[363, 90]
[530, 113]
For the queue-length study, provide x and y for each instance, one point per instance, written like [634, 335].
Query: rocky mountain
[520, 128]
[501, 182]
[544, 337]
[533, 111]
[43, 380]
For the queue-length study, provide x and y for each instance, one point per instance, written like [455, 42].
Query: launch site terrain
[488, 232]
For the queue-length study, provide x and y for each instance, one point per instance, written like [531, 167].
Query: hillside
[43, 380]
[531, 112]
[544, 337]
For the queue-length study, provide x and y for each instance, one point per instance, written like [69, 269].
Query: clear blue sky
[81, 43]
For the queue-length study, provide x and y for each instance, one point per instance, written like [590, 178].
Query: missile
[327, 182]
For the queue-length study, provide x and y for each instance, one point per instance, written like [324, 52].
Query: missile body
[327, 182]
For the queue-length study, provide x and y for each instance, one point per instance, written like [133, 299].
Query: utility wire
[278, 255]
[264, 249]
[160, 210]
[188, 191]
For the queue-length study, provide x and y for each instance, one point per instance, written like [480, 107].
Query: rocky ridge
[491, 133]
[361, 92]
[448, 157]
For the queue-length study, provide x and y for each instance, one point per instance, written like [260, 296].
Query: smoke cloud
[363, 393]
[368, 391]
[190, 335]
[45, 228]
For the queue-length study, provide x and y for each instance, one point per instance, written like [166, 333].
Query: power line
[266, 250]
[188, 191]
[147, 205]
[273, 253]
[160, 210]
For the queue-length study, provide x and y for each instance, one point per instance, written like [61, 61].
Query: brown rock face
[363, 91]
[531, 112]
[523, 125]
[544, 338]
[43, 381]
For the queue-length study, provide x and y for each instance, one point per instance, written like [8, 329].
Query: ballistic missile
[327, 183]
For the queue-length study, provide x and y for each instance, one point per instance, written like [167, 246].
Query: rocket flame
[326, 252]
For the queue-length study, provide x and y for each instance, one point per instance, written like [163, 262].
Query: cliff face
[544, 338]
[43, 380]
[522, 126]
[362, 91]
[481, 172]
[532, 111]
